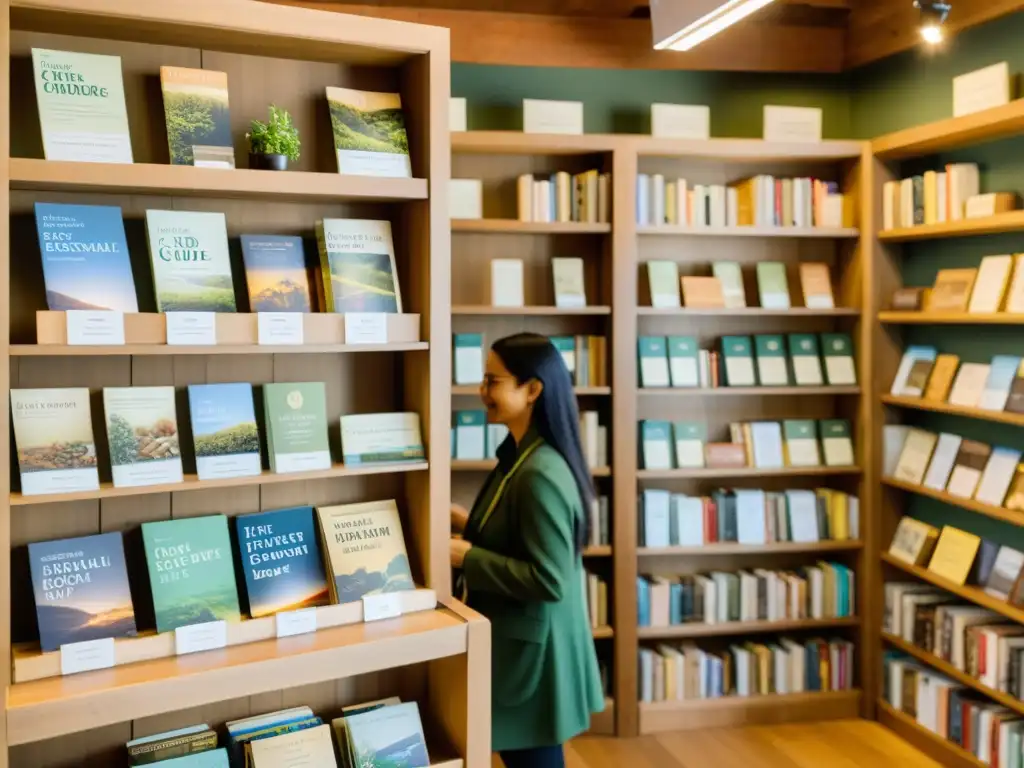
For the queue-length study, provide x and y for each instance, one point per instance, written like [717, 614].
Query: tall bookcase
[437, 654]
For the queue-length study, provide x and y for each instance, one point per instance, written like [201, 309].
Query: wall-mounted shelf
[916, 403]
[949, 318]
[1013, 517]
[1012, 221]
[952, 133]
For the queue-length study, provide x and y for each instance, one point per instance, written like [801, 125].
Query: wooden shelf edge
[599, 550]
[727, 628]
[951, 133]
[521, 143]
[669, 230]
[949, 318]
[730, 548]
[920, 404]
[742, 150]
[750, 312]
[1013, 517]
[59, 350]
[514, 226]
[725, 473]
[470, 390]
[1010, 221]
[794, 391]
[485, 309]
[486, 465]
[946, 753]
[603, 633]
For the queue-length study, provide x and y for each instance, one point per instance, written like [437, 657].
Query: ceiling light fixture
[933, 14]
[680, 25]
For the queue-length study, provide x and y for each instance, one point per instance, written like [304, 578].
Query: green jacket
[524, 575]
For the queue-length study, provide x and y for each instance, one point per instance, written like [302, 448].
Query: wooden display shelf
[731, 628]
[520, 143]
[514, 226]
[193, 483]
[603, 633]
[45, 709]
[773, 709]
[1012, 221]
[949, 318]
[952, 133]
[603, 723]
[742, 150]
[486, 465]
[486, 309]
[945, 752]
[750, 312]
[1011, 516]
[745, 391]
[149, 350]
[800, 232]
[732, 548]
[722, 473]
[917, 403]
[189, 181]
[474, 389]
[598, 550]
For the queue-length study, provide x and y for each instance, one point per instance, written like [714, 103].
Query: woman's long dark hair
[555, 415]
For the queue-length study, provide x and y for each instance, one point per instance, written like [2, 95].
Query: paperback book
[357, 266]
[182, 742]
[191, 266]
[388, 737]
[227, 440]
[296, 419]
[369, 133]
[197, 116]
[142, 429]
[275, 273]
[381, 438]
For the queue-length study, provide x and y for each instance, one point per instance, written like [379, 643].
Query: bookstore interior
[257, 253]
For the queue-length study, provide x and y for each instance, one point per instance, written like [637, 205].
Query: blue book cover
[212, 758]
[85, 258]
[276, 273]
[389, 737]
[280, 554]
[224, 431]
[643, 601]
[675, 603]
[1001, 374]
[81, 590]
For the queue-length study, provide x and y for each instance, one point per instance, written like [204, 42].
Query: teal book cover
[296, 417]
[81, 590]
[191, 571]
[389, 737]
[227, 440]
[280, 556]
[213, 758]
[191, 264]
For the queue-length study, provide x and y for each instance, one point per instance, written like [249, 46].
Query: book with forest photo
[197, 117]
[369, 133]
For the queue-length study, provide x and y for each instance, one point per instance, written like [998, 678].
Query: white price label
[298, 622]
[384, 606]
[201, 637]
[198, 328]
[86, 656]
[366, 328]
[95, 327]
[279, 328]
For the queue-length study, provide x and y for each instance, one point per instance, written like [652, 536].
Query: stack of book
[933, 197]
[822, 591]
[594, 438]
[600, 523]
[585, 357]
[747, 516]
[687, 672]
[596, 590]
[567, 275]
[995, 285]
[582, 197]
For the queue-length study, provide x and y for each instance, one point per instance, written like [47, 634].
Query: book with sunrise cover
[197, 117]
[275, 273]
[191, 571]
[86, 263]
[81, 590]
[191, 265]
[224, 431]
[357, 266]
[142, 429]
[54, 439]
[369, 133]
[280, 555]
[365, 549]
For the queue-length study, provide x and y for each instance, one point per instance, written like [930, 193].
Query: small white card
[680, 121]
[95, 327]
[198, 328]
[545, 116]
[300, 622]
[465, 198]
[792, 124]
[387, 605]
[456, 114]
[366, 328]
[86, 656]
[981, 89]
[194, 638]
[279, 328]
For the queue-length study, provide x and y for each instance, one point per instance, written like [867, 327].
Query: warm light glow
[711, 24]
[932, 34]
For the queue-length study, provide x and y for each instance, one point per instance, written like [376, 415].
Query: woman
[520, 560]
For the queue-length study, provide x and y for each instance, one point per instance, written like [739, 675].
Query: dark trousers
[538, 757]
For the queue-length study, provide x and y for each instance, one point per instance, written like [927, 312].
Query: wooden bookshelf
[952, 133]
[603, 633]
[1014, 517]
[520, 143]
[151, 350]
[949, 318]
[486, 465]
[732, 548]
[752, 312]
[907, 728]
[733, 628]
[724, 473]
[598, 551]
[514, 226]
[797, 232]
[484, 309]
[919, 404]
[1012, 221]
[745, 391]
[473, 390]
[747, 151]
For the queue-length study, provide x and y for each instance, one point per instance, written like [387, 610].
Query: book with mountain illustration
[365, 549]
[197, 116]
[357, 266]
[369, 133]
[276, 273]
[142, 428]
[227, 440]
[191, 265]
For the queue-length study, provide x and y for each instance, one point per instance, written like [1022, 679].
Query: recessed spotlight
[933, 14]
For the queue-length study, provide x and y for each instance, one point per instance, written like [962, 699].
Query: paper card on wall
[456, 114]
[680, 121]
[86, 656]
[545, 116]
[982, 89]
[792, 124]
[198, 328]
[95, 327]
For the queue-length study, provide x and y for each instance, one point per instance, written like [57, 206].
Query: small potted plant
[273, 143]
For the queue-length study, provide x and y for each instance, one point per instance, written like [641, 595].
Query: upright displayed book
[81, 106]
[296, 419]
[357, 266]
[468, 358]
[197, 117]
[302, 747]
[369, 133]
[81, 590]
[142, 429]
[224, 431]
[86, 264]
[663, 281]
[191, 571]
[570, 290]
[276, 273]
[191, 265]
[381, 438]
[365, 550]
[388, 736]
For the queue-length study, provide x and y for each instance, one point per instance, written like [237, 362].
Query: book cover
[941, 378]
[304, 748]
[801, 443]
[913, 541]
[914, 458]
[772, 368]
[296, 419]
[803, 352]
[142, 430]
[1002, 372]
[954, 554]
[388, 737]
[739, 361]
[952, 290]
[365, 549]
[702, 292]
[569, 285]
[942, 461]
[381, 438]
[280, 556]
[656, 444]
[276, 273]
[990, 286]
[81, 106]
[566, 346]
[816, 284]
[191, 266]
[1005, 572]
[653, 353]
[730, 276]
[54, 439]
[837, 349]
[969, 384]
[224, 431]
[211, 758]
[836, 442]
[470, 428]
[86, 264]
[970, 463]
[191, 571]
[357, 264]
[1015, 294]
[997, 476]
[663, 281]
[683, 354]
[369, 133]
[81, 590]
[772, 285]
[910, 358]
[691, 437]
[197, 117]
[164, 746]
[917, 379]
[507, 283]
[468, 357]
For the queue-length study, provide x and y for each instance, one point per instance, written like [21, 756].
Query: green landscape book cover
[191, 571]
[191, 265]
[224, 430]
[296, 418]
[381, 438]
[369, 133]
[388, 737]
[142, 429]
[357, 263]
[197, 117]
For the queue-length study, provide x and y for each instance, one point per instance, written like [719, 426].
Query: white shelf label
[279, 328]
[201, 637]
[366, 328]
[384, 606]
[95, 327]
[86, 656]
[298, 622]
[191, 328]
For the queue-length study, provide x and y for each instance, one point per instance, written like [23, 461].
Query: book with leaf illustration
[276, 273]
[191, 265]
[197, 117]
[369, 133]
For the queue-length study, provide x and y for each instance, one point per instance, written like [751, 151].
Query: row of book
[563, 197]
[585, 357]
[725, 289]
[822, 591]
[600, 522]
[57, 452]
[596, 591]
[995, 285]
[82, 590]
[746, 516]
[761, 444]
[473, 439]
[767, 360]
[994, 386]
[763, 201]
[932, 197]
[507, 289]
[688, 672]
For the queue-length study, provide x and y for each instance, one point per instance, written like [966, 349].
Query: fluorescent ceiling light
[705, 26]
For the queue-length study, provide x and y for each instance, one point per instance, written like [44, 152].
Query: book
[952, 290]
[730, 277]
[224, 431]
[191, 265]
[941, 378]
[507, 283]
[702, 292]
[81, 590]
[969, 385]
[997, 476]
[837, 349]
[297, 749]
[470, 428]
[655, 517]
[381, 438]
[663, 280]
[772, 370]
[653, 354]
[766, 443]
[803, 352]
[365, 550]
[296, 418]
[914, 458]
[1015, 496]
[954, 554]
[1002, 372]
[911, 356]
[836, 442]
[468, 358]
[683, 354]
[1005, 572]
[917, 380]
[142, 432]
[690, 438]
[943, 459]
[279, 553]
[54, 440]
[725, 455]
[369, 133]
[172, 744]
[656, 444]
[191, 571]
[737, 352]
[1015, 294]
[801, 443]
[990, 286]
[913, 541]
[570, 291]
[86, 263]
[197, 117]
[357, 266]
[82, 108]
[971, 459]
[1015, 401]
[208, 758]
[772, 285]
[388, 737]
[816, 285]
[276, 273]
[340, 724]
